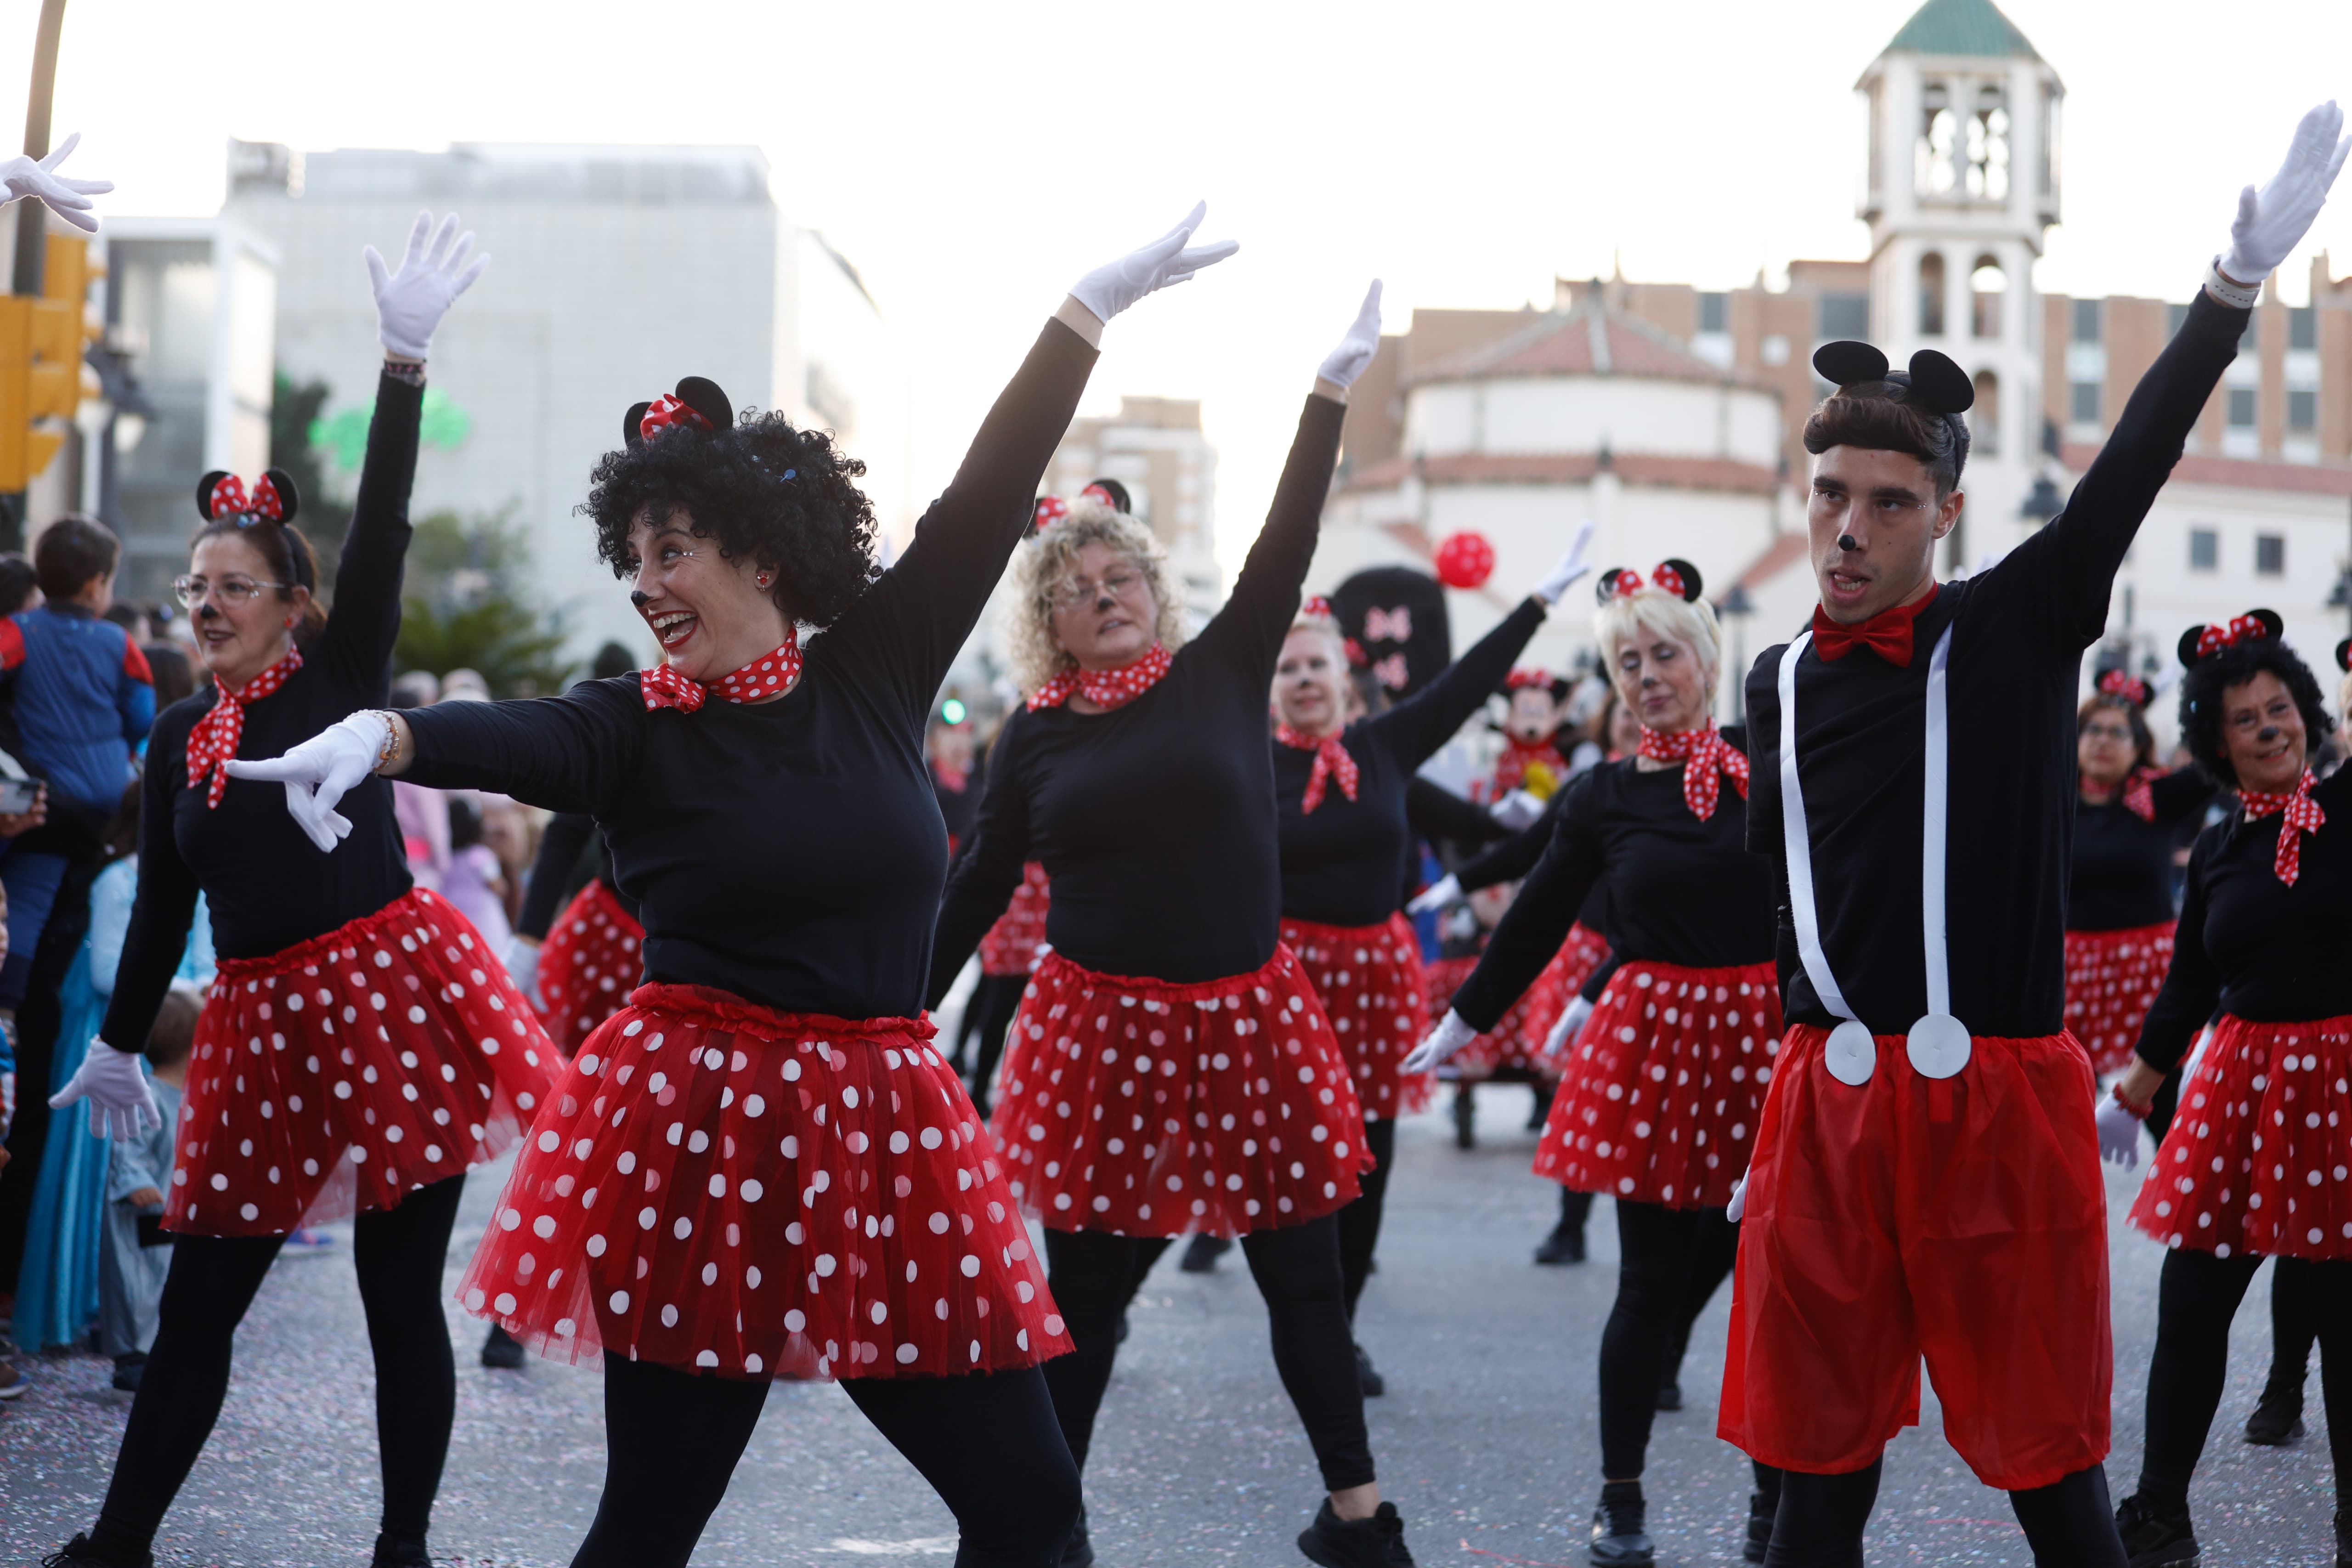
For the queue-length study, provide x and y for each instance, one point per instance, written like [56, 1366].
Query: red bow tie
[1886, 634]
[213, 739]
[1105, 689]
[1706, 758]
[775, 672]
[1331, 762]
[2299, 814]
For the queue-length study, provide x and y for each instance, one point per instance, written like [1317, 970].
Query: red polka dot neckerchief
[2299, 814]
[1105, 689]
[2139, 794]
[1331, 762]
[1706, 758]
[770, 675]
[213, 739]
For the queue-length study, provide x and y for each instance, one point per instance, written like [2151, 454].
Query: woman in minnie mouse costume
[1928, 1145]
[1172, 1068]
[2128, 816]
[1340, 792]
[2255, 1163]
[1661, 1092]
[361, 1048]
[762, 1166]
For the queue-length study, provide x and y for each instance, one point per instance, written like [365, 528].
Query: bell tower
[1961, 184]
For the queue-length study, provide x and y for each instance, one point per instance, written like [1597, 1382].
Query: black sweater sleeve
[1536, 922]
[1249, 629]
[2181, 795]
[358, 641]
[1415, 728]
[1515, 855]
[1432, 811]
[1598, 981]
[161, 914]
[560, 846]
[988, 866]
[2192, 985]
[568, 753]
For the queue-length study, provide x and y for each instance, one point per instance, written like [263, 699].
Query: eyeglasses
[2107, 732]
[194, 591]
[1072, 592]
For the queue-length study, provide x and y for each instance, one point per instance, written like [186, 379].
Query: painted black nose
[1848, 541]
[640, 598]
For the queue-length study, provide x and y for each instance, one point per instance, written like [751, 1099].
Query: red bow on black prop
[2244, 628]
[230, 499]
[2124, 684]
[666, 410]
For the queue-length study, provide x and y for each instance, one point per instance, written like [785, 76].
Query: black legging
[987, 1443]
[2197, 1297]
[1359, 1222]
[1094, 1275]
[989, 1013]
[399, 1253]
[1670, 1262]
[2069, 1524]
[2294, 1325]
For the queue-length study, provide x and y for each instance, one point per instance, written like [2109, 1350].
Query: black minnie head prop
[2203, 642]
[697, 402]
[1933, 382]
[1673, 575]
[222, 497]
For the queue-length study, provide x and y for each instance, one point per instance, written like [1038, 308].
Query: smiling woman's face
[711, 616]
[2263, 734]
[1104, 613]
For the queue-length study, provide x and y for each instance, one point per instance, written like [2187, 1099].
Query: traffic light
[40, 363]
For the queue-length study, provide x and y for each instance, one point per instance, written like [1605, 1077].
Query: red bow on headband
[2124, 684]
[1522, 679]
[1388, 626]
[1661, 577]
[1050, 510]
[1318, 606]
[1097, 493]
[2245, 628]
[666, 410]
[229, 498]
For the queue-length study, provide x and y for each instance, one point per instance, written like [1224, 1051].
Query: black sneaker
[1201, 1254]
[2344, 1538]
[390, 1554]
[1374, 1543]
[1078, 1551]
[2153, 1539]
[2278, 1419]
[1670, 1396]
[1564, 1245]
[1369, 1375]
[1618, 1538]
[77, 1553]
[129, 1368]
[1761, 1510]
[502, 1351]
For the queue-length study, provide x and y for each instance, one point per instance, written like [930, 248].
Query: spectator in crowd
[137, 1254]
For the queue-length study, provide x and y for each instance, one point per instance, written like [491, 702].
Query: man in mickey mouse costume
[1926, 1178]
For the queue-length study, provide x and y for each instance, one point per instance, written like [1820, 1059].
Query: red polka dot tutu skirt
[2259, 1156]
[1011, 946]
[348, 1070]
[722, 1187]
[593, 957]
[1369, 979]
[1144, 1107]
[2112, 979]
[1662, 1090]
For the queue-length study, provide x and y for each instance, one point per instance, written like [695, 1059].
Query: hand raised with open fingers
[66, 197]
[1451, 1035]
[1343, 364]
[320, 772]
[1572, 567]
[2272, 221]
[1165, 262]
[433, 272]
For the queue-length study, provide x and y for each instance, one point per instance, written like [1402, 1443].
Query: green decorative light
[952, 710]
[443, 423]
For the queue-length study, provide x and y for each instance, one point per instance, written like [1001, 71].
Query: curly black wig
[760, 488]
[2201, 690]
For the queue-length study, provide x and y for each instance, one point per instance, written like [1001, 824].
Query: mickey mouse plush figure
[1535, 708]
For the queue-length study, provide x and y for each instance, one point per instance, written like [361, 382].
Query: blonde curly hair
[1026, 627]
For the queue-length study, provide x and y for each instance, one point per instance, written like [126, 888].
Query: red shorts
[2112, 979]
[1961, 1219]
[1011, 946]
[1369, 980]
[722, 1187]
[1146, 1107]
[593, 958]
[2259, 1156]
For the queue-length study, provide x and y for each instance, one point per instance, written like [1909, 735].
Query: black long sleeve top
[2019, 630]
[1681, 891]
[267, 886]
[1432, 811]
[2248, 943]
[1517, 855]
[571, 854]
[1339, 864]
[1155, 821]
[2121, 874]
[957, 806]
[790, 852]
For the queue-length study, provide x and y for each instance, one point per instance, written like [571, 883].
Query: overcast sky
[973, 160]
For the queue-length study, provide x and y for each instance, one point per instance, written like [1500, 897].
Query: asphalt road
[1487, 1438]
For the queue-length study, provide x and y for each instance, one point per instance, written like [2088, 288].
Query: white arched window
[1987, 284]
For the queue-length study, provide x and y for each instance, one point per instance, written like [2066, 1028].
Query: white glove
[320, 772]
[522, 968]
[410, 303]
[1738, 1205]
[121, 1106]
[1563, 1034]
[1571, 568]
[68, 198]
[1343, 364]
[1446, 890]
[1517, 809]
[7, 1102]
[1450, 1036]
[1165, 262]
[2118, 1133]
[2272, 221]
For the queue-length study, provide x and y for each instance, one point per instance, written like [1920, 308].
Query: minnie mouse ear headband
[2343, 655]
[2199, 643]
[221, 497]
[1674, 576]
[1933, 382]
[1111, 494]
[2126, 687]
[697, 402]
[1316, 608]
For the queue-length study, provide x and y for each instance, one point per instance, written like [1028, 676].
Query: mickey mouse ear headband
[1933, 381]
[697, 402]
[1673, 575]
[2343, 655]
[222, 497]
[2199, 643]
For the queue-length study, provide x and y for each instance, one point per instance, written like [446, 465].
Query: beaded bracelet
[411, 372]
[391, 746]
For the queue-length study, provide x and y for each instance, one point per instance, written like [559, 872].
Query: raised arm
[987, 868]
[357, 643]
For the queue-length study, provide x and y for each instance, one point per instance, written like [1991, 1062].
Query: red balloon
[1465, 560]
